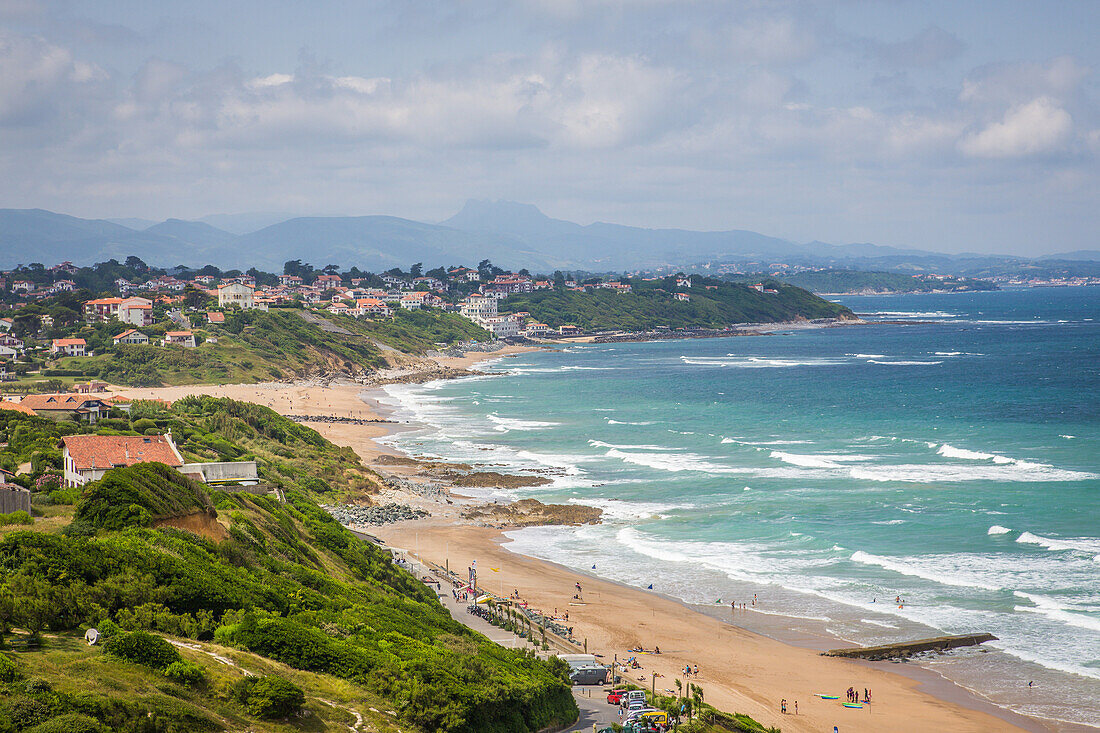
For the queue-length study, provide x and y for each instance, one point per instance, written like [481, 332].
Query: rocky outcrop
[532, 513]
[354, 514]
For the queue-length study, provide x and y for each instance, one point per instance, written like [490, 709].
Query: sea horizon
[949, 463]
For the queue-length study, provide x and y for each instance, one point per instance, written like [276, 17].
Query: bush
[270, 696]
[69, 723]
[8, 671]
[185, 673]
[144, 648]
[108, 629]
[65, 496]
[143, 424]
[19, 517]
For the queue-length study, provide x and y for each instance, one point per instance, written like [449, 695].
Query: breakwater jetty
[906, 648]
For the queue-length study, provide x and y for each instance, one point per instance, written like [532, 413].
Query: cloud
[931, 46]
[1000, 84]
[1040, 126]
[38, 78]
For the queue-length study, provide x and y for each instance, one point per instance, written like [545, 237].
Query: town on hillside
[67, 311]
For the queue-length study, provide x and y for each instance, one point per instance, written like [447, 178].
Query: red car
[616, 696]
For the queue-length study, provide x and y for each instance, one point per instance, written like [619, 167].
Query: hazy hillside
[512, 235]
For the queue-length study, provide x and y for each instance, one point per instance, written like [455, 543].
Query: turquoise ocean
[952, 460]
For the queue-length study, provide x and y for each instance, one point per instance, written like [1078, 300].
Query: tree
[485, 269]
[295, 267]
[136, 263]
[559, 280]
[331, 269]
[417, 269]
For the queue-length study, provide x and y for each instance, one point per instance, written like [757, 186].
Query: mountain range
[510, 234]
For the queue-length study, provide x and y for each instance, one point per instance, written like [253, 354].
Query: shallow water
[954, 464]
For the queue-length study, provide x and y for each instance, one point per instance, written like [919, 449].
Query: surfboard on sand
[857, 705]
[827, 697]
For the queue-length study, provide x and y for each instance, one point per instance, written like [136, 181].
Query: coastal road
[591, 699]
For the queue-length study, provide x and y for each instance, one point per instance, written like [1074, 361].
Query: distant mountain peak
[499, 215]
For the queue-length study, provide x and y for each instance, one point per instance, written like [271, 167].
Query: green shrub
[270, 696]
[108, 629]
[138, 494]
[8, 671]
[69, 723]
[185, 673]
[19, 517]
[70, 495]
[144, 648]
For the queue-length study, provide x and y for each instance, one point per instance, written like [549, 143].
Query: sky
[951, 126]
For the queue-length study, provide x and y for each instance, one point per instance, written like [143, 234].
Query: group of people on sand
[783, 706]
[689, 672]
[853, 695]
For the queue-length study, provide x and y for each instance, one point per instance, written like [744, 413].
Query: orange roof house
[88, 457]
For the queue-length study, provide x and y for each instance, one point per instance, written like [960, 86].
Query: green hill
[290, 585]
[256, 346]
[713, 304]
[139, 494]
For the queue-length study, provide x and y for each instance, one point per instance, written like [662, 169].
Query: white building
[478, 307]
[236, 294]
[501, 327]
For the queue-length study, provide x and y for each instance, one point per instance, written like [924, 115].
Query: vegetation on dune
[290, 584]
[418, 331]
[713, 304]
[138, 495]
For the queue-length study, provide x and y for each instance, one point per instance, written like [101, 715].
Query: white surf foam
[504, 424]
[904, 363]
[759, 362]
[626, 422]
[1058, 611]
[674, 462]
[1086, 545]
[933, 574]
[621, 509]
[796, 459]
[997, 529]
[601, 444]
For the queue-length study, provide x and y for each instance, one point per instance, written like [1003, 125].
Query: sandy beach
[739, 671]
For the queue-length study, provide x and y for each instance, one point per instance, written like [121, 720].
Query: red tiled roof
[58, 401]
[17, 407]
[177, 334]
[124, 334]
[70, 342]
[215, 317]
[108, 451]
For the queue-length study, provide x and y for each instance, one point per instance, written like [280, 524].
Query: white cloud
[1000, 84]
[36, 76]
[1040, 126]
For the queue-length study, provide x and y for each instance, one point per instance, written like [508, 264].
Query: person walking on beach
[783, 706]
[695, 673]
[796, 707]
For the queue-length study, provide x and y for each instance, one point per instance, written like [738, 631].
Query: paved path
[594, 709]
[591, 699]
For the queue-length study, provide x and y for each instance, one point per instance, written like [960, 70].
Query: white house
[478, 306]
[236, 294]
[682, 296]
[180, 338]
[130, 336]
[88, 457]
[69, 347]
[501, 327]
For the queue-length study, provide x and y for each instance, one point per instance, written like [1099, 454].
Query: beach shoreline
[907, 697]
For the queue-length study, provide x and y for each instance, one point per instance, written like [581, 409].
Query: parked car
[616, 696]
[589, 675]
[636, 695]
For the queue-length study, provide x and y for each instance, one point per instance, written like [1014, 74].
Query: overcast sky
[953, 126]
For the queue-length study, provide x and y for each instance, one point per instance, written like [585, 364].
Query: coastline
[740, 670]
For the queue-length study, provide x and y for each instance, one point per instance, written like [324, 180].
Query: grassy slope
[289, 584]
[254, 346]
[648, 307]
[82, 673]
